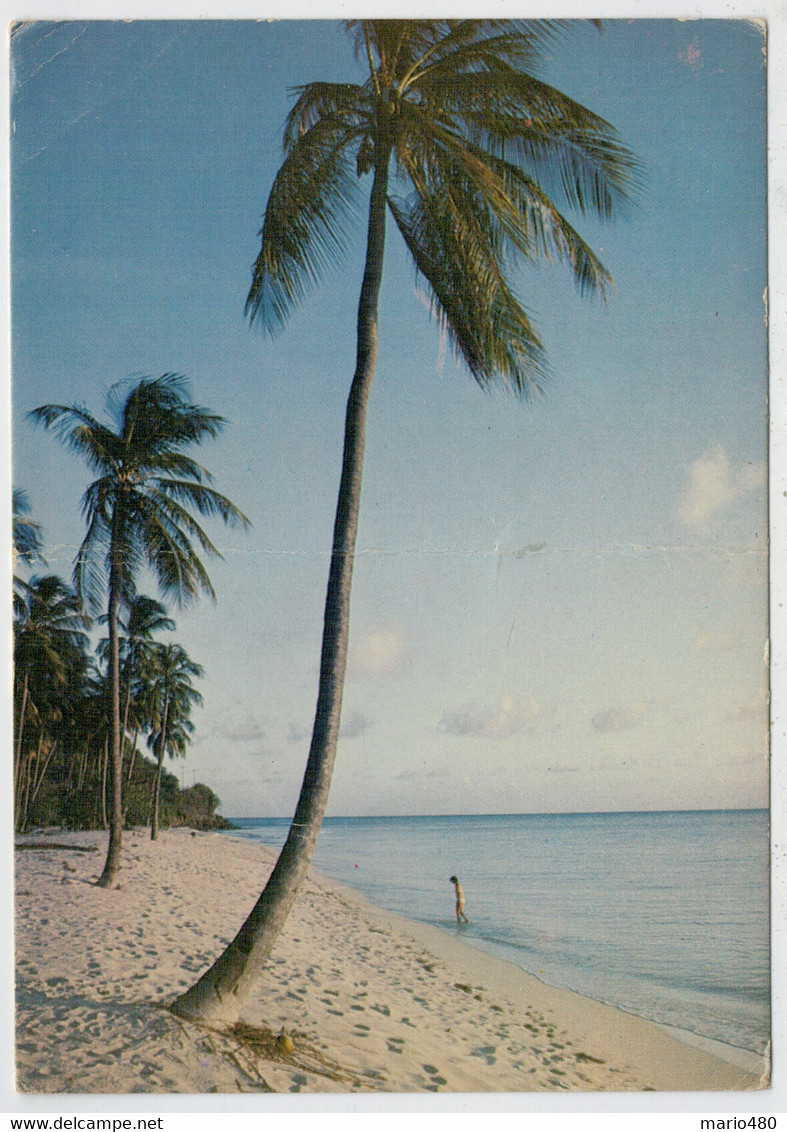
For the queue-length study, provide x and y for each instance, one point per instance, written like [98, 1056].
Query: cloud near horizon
[499, 721]
[379, 652]
[619, 718]
[244, 729]
[756, 708]
[713, 641]
[354, 725]
[714, 483]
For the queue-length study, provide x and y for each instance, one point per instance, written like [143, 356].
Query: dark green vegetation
[61, 724]
[475, 160]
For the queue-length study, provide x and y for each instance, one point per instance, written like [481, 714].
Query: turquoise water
[663, 914]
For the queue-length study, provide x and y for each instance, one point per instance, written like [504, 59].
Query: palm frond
[169, 551]
[204, 499]
[90, 565]
[156, 416]
[305, 226]
[81, 432]
[26, 534]
[515, 213]
[568, 148]
[488, 327]
[322, 100]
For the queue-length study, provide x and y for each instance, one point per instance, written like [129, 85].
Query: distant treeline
[68, 788]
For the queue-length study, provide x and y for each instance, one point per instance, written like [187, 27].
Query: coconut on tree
[140, 512]
[476, 161]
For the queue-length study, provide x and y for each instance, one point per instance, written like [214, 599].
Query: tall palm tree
[475, 158]
[173, 696]
[140, 511]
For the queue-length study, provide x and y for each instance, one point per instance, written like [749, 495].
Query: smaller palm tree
[140, 512]
[173, 697]
[146, 616]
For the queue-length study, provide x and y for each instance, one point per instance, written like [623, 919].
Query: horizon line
[515, 814]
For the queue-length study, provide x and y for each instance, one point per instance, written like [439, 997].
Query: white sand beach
[373, 1002]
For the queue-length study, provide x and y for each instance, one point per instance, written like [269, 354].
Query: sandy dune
[373, 1002]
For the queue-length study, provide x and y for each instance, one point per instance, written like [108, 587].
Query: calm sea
[663, 914]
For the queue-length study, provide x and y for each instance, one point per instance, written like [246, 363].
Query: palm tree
[173, 696]
[146, 616]
[140, 512]
[50, 648]
[474, 157]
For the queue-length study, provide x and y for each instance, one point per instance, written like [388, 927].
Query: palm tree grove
[139, 512]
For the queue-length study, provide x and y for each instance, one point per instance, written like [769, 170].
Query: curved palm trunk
[157, 789]
[124, 727]
[133, 755]
[20, 733]
[104, 764]
[112, 863]
[219, 994]
[44, 767]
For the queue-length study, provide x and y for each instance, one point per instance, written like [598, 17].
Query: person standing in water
[460, 901]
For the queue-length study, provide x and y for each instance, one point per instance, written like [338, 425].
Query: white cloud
[713, 641]
[491, 722]
[379, 652]
[714, 483]
[755, 708]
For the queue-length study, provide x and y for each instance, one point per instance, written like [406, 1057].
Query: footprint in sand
[487, 1053]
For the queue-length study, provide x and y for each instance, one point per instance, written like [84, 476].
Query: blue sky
[559, 605]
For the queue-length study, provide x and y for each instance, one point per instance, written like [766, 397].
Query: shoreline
[743, 1057]
[375, 1002]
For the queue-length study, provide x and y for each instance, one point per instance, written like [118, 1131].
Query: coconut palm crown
[476, 159]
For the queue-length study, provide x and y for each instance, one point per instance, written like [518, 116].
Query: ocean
[665, 915]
